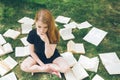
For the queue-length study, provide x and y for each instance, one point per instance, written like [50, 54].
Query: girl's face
[42, 28]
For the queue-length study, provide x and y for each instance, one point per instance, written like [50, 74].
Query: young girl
[42, 45]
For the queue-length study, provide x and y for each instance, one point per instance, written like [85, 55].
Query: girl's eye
[46, 27]
[39, 26]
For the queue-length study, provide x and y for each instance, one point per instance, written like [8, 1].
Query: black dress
[39, 45]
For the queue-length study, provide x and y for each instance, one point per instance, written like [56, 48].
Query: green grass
[103, 14]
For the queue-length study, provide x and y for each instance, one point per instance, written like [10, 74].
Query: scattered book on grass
[85, 24]
[2, 40]
[71, 25]
[5, 49]
[62, 19]
[10, 76]
[95, 36]
[1, 51]
[26, 20]
[79, 72]
[70, 76]
[111, 62]
[24, 41]
[6, 65]
[75, 47]
[97, 77]
[68, 56]
[66, 33]
[26, 28]
[11, 33]
[22, 51]
[90, 64]
[76, 73]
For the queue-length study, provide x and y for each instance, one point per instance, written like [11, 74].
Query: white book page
[24, 41]
[10, 62]
[62, 19]
[113, 68]
[70, 45]
[22, 51]
[68, 56]
[1, 51]
[27, 51]
[10, 76]
[85, 24]
[71, 25]
[2, 40]
[26, 28]
[70, 76]
[19, 52]
[79, 72]
[66, 33]
[111, 62]
[78, 48]
[95, 63]
[90, 64]
[3, 71]
[97, 77]
[95, 36]
[26, 20]
[11, 33]
[7, 48]
[109, 58]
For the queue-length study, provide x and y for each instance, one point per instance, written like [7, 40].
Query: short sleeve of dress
[30, 37]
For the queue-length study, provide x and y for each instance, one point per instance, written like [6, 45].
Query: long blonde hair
[46, 17]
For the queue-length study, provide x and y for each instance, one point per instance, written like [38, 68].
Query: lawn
[102, 14]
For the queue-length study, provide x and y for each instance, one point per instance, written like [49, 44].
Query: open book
[111, 62]
[90, 64]
[6, 65]
[66, 33]
[24, 41]
[22, 51]
[71, 25]
[62, 19]
[68, 56]
[2, 40]
[6, 48]
[85, 24]
[70, 76]
[95, 36]
[11, 33]
[10, 76]
[75, 47]
[26, 20]
[26, 28]
[79, 72]
[76, 73]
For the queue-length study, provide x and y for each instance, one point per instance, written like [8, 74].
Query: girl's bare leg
[61, 65]
[30, 65]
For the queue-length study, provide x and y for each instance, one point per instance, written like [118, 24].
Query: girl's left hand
[44, 38]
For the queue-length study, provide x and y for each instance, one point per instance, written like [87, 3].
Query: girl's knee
[23, 67]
